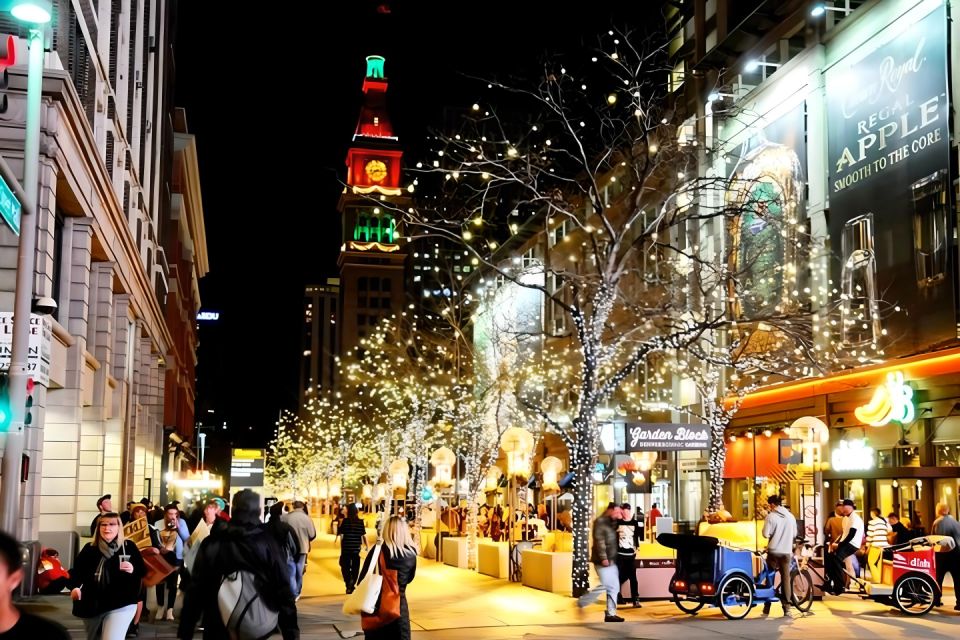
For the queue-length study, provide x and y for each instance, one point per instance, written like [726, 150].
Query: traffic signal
[6, 415]
[8, 57]
[28, 410]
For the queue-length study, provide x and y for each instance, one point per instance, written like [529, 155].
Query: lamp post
[35, 13]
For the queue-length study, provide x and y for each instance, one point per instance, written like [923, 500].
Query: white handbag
[365, 597]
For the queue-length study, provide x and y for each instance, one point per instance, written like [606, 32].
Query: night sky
[271, 158]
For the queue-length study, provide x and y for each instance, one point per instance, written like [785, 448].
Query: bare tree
[585, 191]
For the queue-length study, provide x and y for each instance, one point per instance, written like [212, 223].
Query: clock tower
[372, 254]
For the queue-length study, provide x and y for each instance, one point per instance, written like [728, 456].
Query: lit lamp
[36, 13]
[551, 467]
[399, 470]
[322, 491]
[367, 491]
[492, 479]
[517, 443]
[380, 492]
[442, 461]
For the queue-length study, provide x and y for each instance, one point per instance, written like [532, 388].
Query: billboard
[766, 175]
[246, 469]
[891, 232]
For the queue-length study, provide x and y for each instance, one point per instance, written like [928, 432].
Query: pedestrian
[139, 512]
[780, 530]
[287, 540]
[353, 534]
[948, 561]
[242, 545]
[173, 535]
[14, 624]
[604, 559]
[106, 581]
[878, 532]
[104, 505]
[899, 534]
[399, 553]
[629, 534]
[654, 515]
[305, 531]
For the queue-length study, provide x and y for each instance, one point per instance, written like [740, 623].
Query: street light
[36, 13]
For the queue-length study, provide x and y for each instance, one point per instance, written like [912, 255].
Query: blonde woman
[106, 581]
[400, 553]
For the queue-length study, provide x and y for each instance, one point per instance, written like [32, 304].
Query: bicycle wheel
[802, 583]
[735, 597]
[688, 606]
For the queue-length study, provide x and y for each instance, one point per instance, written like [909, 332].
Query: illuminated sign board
[208, 315]
[891, 402]
[853, 455]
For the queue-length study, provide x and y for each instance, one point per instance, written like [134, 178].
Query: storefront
[893, 441]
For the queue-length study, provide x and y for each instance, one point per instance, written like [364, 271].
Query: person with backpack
[239, 582]
[287, 539]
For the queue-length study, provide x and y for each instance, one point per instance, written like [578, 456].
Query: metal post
[23, 296]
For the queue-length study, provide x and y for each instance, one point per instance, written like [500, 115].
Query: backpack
[244, 613]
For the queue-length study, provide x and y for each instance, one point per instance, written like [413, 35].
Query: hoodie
[780, 530]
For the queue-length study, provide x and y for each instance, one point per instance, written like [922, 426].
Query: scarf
[107, 550]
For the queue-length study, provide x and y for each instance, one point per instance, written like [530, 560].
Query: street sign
[9, 207]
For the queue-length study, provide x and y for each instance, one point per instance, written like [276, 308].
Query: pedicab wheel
[914, 595]
[687, 605]
[735, 597]
[802, 584]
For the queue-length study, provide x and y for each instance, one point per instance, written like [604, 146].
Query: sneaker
[956, 607]
[610, 618]
[169, 615]
[133, 630]
[766, 608]
[636, 604]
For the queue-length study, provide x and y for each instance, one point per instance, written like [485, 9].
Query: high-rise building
[318, 371]
[372, 254]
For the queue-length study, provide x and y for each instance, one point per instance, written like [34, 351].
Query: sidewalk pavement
[462, 605]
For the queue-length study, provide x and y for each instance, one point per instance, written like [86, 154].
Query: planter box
[547, 571]
[492, 558]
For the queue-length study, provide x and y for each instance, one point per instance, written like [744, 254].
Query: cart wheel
[687, 605]
[802, 584]
[914, 595]
[735, 597]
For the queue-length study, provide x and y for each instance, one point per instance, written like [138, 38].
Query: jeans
[301, 563]
[609, 583]
[111, 625]
[169, 585]
[781, 562]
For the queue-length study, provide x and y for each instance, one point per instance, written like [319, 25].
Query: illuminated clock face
[376, 170]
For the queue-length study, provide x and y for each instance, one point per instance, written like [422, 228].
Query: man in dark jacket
[604, 558]
[286, 539]
[242, 545]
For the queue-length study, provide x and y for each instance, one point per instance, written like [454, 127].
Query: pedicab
[907, 575]
[711, 572]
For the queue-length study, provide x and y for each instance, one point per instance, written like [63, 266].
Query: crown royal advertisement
[891, 233]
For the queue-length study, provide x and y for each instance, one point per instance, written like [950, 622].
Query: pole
[23, 295]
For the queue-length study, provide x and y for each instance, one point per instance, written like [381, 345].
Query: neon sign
[893, 401]
[854, 455]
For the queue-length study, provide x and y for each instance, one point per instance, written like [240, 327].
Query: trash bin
[29, 556]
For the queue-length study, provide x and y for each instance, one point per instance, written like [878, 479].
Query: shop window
[948, 455]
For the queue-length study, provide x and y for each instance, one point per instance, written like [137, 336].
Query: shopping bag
[364, 597]
[388, 609]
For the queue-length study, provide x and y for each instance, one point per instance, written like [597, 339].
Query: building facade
[119, 227]
[318, 371]
[811, 82]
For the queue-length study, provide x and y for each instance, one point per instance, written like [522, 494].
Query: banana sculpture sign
[891, 402]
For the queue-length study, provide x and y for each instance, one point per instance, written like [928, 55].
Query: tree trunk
[582, 498]
[718, 456]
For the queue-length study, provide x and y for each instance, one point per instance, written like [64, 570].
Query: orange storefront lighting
[913, 368]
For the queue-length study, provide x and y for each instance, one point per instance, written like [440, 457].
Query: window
[362, 283]
[374, 284]
[362, 302]
[385, 303]
[361, 320]
[374, 303]
[386, 284]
